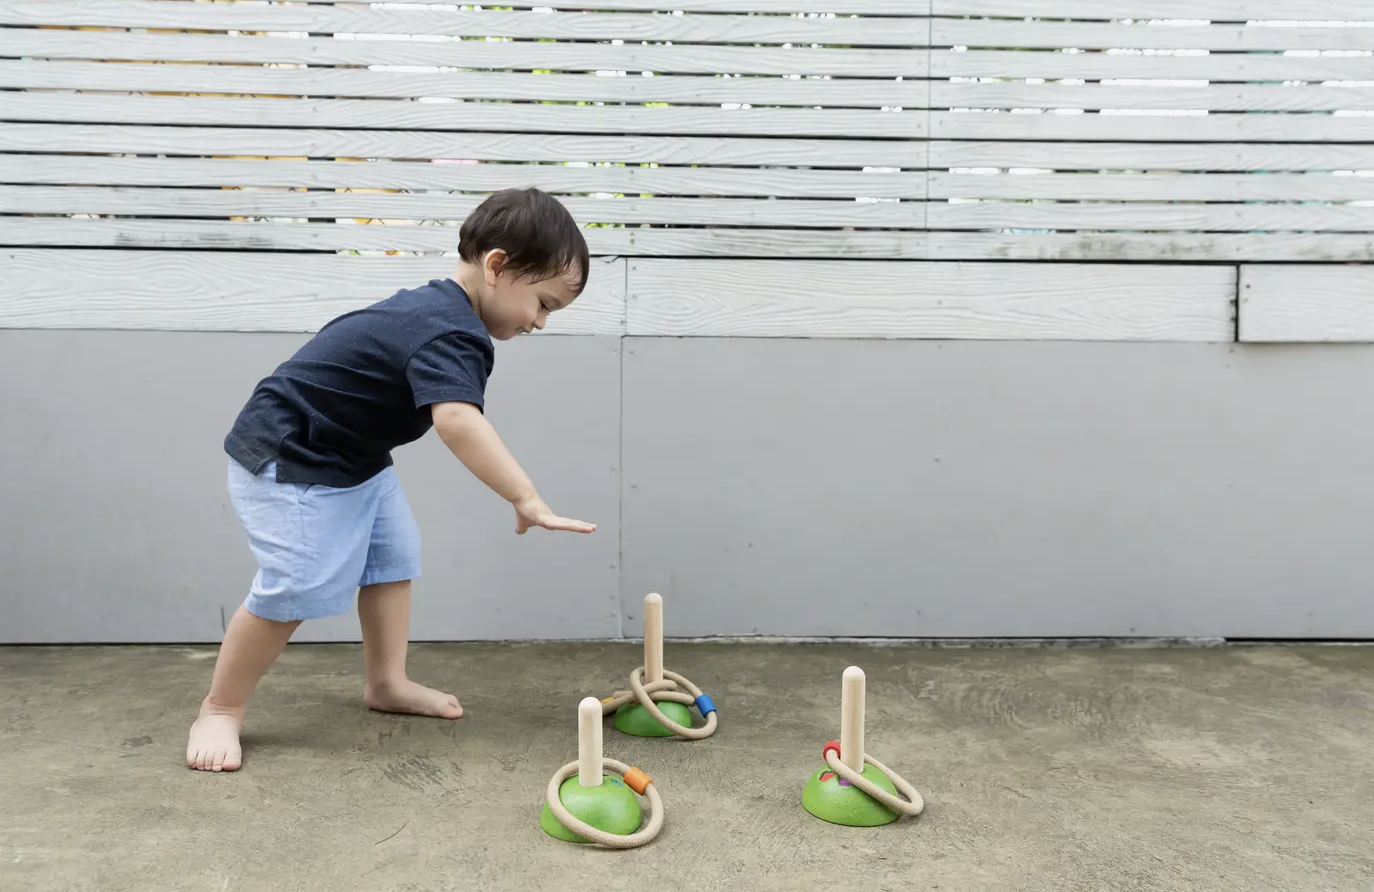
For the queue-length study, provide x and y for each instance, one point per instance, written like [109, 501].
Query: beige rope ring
[610, 840]
[667, 689]
[911, 806]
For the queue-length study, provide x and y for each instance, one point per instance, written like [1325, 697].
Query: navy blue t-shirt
[333, 412]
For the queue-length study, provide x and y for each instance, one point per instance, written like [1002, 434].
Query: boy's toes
[214, 743]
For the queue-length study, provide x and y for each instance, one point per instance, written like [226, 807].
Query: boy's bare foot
[413, 699]
[214, 741]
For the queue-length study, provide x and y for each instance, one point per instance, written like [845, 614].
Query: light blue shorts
[316, 545]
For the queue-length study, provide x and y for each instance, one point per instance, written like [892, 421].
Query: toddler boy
[310, 470]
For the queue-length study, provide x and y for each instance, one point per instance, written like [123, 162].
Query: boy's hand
[532, 512]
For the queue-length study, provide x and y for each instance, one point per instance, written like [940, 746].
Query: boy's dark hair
[534, 228]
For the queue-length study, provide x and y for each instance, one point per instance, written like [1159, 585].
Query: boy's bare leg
[250, 645]
[384, 613]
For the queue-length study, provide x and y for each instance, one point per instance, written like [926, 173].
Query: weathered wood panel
[338, 114]
[1305, 304]
[242, 292]
[360, 19]
[1153, 216]
[420, 175]
[1091, 97]
[1223, 67]
[1181, 187]
[1144, 246]
[787, 7]
[921, 300]
[451, 207]
[1111, 106]
[1189, 10]
[815, 120]
[360, 83]
[1142, 156]
[435, 238]
[717, 242]
[943, 154]
[1224, 128]
[582, 56]
[309, 143]
[1054, 35]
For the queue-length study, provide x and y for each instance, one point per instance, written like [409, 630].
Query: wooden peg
[653, 638]
[852, 719]
[589, 765]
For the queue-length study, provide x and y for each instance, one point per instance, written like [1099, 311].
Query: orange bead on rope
[637, 780]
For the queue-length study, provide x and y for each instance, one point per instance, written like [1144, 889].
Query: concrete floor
[1043, 769]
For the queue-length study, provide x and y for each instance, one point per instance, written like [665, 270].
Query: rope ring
[587, 831]
[911, 806]
[666, 690]
[642, 694]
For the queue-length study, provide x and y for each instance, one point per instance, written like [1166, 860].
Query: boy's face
[519, 305]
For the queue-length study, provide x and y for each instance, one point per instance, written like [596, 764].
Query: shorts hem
[401, 573]
[263, 608]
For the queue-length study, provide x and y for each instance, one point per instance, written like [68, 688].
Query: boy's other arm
[471, 438]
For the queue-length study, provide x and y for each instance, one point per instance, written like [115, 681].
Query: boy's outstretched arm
[469, 436]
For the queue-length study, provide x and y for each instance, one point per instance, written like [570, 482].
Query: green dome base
[830, 799]
[612, 807]
[633, 719]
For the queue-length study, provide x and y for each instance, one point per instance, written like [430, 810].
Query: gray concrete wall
[116, 525]
[917, 488]
[774, 486]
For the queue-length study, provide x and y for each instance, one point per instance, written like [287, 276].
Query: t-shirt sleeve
[452, 366]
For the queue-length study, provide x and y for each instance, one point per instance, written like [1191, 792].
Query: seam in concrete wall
[1235, 308]
[620, 495]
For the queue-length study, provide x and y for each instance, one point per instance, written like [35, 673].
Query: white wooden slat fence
[744, 167]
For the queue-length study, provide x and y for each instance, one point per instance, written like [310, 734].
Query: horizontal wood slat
[1223, 97]
[271, 292]
[1297, 304]
[1151, 156]
[722, 242]
[919, 300]
[354, 19]
[943, 154]
[1217, 67]
[1221, 128]
[1004, 34]
[666, 242]
[1154, 247]
[210, 203]
[844, 7]
[233, 141]
[474, 54]
[1215, 10]
[243, 292]
[359, 83]
[418, 175]
[1152, 216]
[346, 114]
[1154, 187]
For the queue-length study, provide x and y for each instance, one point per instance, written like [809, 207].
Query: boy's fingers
[573, 526]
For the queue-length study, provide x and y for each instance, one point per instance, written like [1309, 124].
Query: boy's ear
[493, 264]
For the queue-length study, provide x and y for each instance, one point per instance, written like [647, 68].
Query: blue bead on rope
[705, 706]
